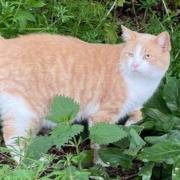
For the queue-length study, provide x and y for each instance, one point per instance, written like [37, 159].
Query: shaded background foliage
[99, 21]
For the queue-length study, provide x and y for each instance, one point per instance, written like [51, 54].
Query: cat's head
[145, 54]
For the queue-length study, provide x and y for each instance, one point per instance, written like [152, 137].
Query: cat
[109, 81]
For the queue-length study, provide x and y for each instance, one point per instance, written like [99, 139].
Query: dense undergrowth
[149, 150]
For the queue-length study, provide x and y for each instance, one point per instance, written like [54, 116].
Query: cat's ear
[127, 34]
[163, 39]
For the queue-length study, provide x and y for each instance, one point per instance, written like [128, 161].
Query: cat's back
[38, 43]
[50, 48]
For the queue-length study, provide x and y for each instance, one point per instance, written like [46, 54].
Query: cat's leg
[19, 121]
[95, 147]
[134, 118]
[105, 115]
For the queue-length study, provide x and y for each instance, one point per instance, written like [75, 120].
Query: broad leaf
[166, 151]
[63, 109]
[136, 143]
[21, 174]
[137, 128]
[157, 101]
[173, 135]
[115, 157]
[171, 94]
[103, 133]
[70, 173]
[155, 139]
[63, 133]
[60, 135]
[163, 122]
[38, 146]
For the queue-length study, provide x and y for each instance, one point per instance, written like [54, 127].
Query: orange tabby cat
[109, 81]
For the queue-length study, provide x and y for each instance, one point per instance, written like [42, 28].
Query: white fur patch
[140, 89]
[16, 106]
[89, 110]
[137, 52]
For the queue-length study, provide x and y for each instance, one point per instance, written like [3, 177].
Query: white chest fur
[140, 90]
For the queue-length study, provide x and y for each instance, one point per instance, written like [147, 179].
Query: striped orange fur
[36, 67]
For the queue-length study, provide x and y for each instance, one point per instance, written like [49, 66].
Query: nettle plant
[154, 143]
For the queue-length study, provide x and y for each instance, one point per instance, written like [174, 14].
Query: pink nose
[134, 65]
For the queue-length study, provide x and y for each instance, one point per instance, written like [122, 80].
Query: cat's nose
[135, 65]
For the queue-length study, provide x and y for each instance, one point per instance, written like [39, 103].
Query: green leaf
[36, 3]
[173, 135]
[157, 101]
[103, 133]
[23, 17]
[115, 157]
[176, 121]
[38, 146]
[155, 139]
[110, 34]
[71, 173]
[63, 109]
[21, 174]
[4, 170]
[166, 151]
[123, 143]
[148, 124]
[85, 158]
[137, 128]
[171, 94]
[120, 3]
[176, 169]
[63, 133]
[163, 122]
[136, 140]
[99, 172]
[146, 171]
[136, 143]
[60, 135]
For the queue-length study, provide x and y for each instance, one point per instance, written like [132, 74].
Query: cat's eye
[147, 56]
[130, 54]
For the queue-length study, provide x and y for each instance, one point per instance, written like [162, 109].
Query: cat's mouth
[135, 69]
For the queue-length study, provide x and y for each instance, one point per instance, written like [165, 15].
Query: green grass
[153, 144]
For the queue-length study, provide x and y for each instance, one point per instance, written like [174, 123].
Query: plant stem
[145, 14]
[165, 7]
[77, 152]
[111, 8]
[109, 11]
[167, 12]
[134, 11]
